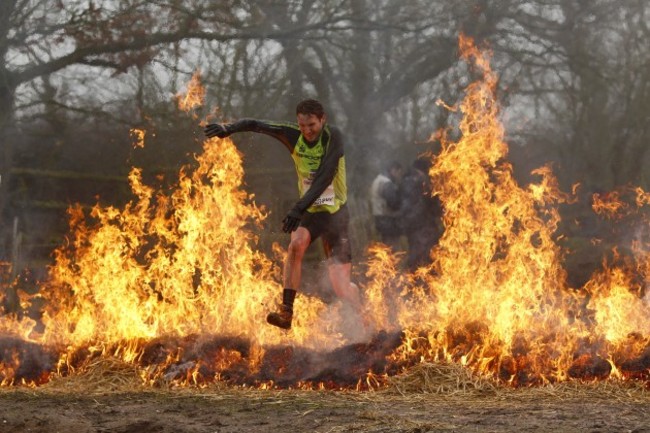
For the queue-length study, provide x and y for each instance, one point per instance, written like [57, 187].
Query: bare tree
[580, 74]
[39, 38]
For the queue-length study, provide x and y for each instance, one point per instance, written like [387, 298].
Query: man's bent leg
[336, 242]
[300, 240]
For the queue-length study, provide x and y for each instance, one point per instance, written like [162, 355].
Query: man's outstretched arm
[286, 133]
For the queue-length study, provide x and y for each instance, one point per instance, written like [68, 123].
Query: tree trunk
[6, 158]
[7, 88]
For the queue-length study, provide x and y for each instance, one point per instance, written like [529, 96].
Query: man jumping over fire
[317, 152]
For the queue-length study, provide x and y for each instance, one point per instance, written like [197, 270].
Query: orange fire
[609, 204]
[175, 285]
[138, 136]
[194, 96]
[495, 297]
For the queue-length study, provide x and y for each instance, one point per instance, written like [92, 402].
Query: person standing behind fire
[318, 154]
[420, 214]
[385, 202]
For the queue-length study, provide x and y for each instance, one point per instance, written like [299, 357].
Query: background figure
[385, 203]
[420, 213]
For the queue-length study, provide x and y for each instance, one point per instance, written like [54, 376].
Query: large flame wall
[494, 298]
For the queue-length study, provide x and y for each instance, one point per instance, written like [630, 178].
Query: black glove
[217, 130]
[291, 221]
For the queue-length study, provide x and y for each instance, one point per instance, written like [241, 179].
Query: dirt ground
[228, 410]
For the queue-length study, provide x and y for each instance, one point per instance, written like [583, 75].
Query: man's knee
[298, 246]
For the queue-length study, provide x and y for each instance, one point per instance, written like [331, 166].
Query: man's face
[310, 125]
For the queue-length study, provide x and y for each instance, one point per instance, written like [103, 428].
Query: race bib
[326, 198]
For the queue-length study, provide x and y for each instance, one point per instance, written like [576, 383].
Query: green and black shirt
[320, 165]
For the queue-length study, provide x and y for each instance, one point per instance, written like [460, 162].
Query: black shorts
[333, 227]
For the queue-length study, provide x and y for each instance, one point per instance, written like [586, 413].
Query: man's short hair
[310, 106]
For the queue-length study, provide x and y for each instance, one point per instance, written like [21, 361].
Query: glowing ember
[138, 137]
[175, 285]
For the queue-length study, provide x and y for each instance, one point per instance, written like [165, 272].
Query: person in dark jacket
[420, 213]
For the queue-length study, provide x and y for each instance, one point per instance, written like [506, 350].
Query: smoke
[341, 318]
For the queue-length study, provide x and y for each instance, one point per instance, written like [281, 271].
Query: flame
[167, 265]
[175, 284]
[495, 297]
[138, 136]
[642, 197]
[194, 96]
[609, 204]
[9, 367]
[13, 324]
